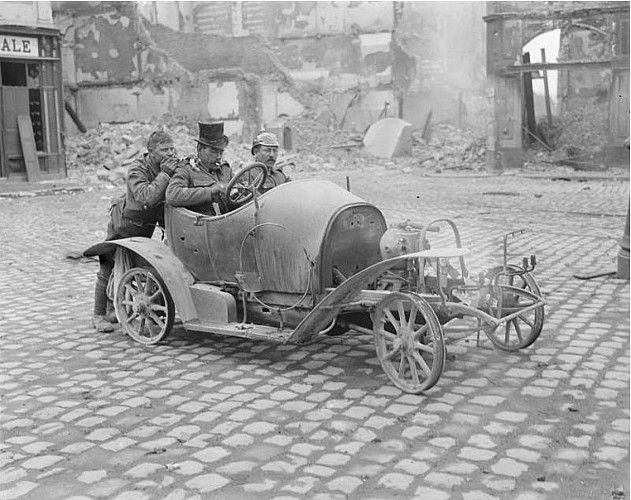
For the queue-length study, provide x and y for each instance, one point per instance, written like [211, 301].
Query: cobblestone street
[87, 415]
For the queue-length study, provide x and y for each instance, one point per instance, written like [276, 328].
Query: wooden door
[14, 102]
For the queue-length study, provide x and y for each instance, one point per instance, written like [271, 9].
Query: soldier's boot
[101, 324]
[110, 313]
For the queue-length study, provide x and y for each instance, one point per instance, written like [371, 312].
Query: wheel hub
[141, 304]
[407, 341]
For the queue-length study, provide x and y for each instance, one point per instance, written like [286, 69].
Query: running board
[246, 331]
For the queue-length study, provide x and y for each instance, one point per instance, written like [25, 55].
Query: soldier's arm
[179, 194]
[146, 192]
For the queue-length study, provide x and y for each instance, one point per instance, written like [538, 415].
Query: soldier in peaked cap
[265, 150]
[201, 181]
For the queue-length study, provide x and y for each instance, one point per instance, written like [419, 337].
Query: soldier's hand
[169, 165]
[218, 188]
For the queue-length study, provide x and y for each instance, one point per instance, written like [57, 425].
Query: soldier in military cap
[265, 150]
[201, 181]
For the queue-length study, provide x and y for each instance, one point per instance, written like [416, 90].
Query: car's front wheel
[409, 341]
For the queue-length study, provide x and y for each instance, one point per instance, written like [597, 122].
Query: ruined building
[592, 73]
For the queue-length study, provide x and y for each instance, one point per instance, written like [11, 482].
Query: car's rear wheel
[409, 341]
[521, 331]
[144, 306]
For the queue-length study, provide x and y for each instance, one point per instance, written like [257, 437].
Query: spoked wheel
[515, 293]
[409, 341]
[241, 187]
[144, 306]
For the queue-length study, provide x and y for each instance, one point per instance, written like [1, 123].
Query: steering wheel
[241, 187]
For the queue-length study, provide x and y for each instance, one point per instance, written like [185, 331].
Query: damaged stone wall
[124, 68]
[585, 93]
[137, 61]
[349, 63]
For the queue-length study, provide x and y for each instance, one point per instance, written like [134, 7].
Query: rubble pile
[103, 154]
[450, 148]
[312, 136]
[582, 129]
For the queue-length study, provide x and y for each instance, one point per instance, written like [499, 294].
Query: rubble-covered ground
[103, 154]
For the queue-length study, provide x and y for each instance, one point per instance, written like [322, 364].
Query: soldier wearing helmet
[265, 150]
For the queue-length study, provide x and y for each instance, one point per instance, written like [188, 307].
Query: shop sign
[18, 46]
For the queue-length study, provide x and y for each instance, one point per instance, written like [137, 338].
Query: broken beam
[526, 68]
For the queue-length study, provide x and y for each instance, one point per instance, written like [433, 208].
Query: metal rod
[360, 329]
[520, 312]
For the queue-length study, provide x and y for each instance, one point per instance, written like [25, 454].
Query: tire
[144, 306]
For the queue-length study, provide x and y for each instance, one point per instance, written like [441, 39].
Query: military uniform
[136, 213]
[275, 177]
[199, 189]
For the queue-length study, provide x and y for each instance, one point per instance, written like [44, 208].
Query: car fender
[324, 312]
[176, 277]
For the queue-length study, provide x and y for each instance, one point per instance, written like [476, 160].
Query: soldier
[135, 213]
[200, 183]
[265, 150]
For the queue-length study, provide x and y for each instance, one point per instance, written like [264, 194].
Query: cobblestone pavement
[88, 415]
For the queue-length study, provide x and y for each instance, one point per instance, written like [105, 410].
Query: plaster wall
[121, 104]
[309, 19]
[34, 14]
[287, 20]
[223, 102]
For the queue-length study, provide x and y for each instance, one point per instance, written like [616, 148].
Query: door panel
[14, 102]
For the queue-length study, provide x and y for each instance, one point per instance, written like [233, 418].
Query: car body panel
[288, 238]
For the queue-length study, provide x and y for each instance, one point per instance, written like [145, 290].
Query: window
[13, 74]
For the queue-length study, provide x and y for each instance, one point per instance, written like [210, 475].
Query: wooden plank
[29, 153]
[569, 65]
[529, 101]
[546, 89]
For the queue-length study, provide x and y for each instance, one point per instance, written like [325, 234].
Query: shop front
[31, 91]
